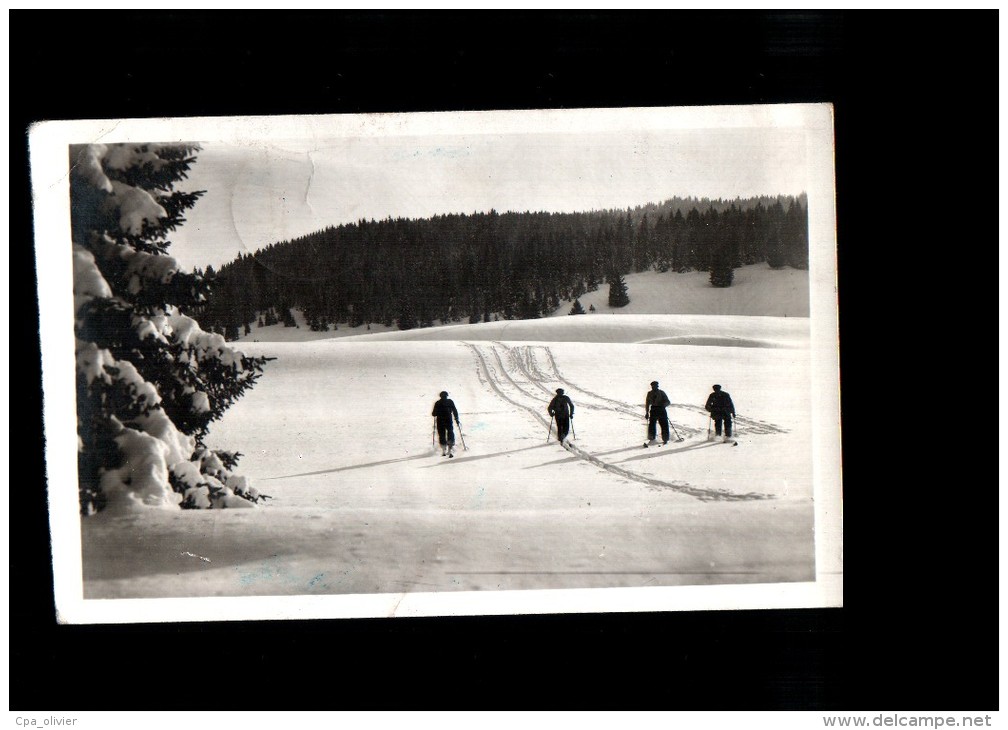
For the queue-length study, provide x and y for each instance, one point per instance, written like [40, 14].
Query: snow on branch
[141, 481]
[95, 363]
[172, 326]
[88, 282]
[89, 166]
[136, 207]
[159, 465]
[123, 157]
[100, 364]
[140, 266]
[206, 483]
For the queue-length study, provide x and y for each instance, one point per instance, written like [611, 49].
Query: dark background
[915, 107]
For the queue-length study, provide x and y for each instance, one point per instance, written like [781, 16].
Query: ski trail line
[609, 404]
[515, 360]
[524, 359]
[514, 383]
[495, 385]
[516, 357]
[752, 425]
[533, 364]
[705, 495]
[559, 376]
[619, 406]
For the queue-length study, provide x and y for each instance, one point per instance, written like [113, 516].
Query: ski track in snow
[514, 383]
[752, 425]
[608, 403]
[502, 382]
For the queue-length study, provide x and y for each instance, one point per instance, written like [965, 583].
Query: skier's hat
[443, 393]
[654, 382]
[559, 391]
[716, 387]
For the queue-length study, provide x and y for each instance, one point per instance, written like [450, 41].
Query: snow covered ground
[339, 432]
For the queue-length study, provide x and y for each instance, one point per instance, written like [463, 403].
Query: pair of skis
[652, 442]
[449, 453]
[550, 431]
[659, 444]
[728, 439]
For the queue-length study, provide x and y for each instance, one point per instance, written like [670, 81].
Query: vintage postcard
[440, 364]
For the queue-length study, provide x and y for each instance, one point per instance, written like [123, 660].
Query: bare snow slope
[339, 433]
[767, 332]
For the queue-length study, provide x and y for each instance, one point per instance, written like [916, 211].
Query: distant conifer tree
[577, 308]
[407, 320]
[618, 294]
[721, 272]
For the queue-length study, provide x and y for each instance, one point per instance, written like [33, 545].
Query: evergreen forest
[481, 267]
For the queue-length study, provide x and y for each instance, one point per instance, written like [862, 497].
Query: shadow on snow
[485, 456]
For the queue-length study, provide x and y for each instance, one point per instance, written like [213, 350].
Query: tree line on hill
[485, 266]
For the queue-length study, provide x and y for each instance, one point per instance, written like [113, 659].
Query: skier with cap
[443, 412]
[721, 408]
[654, 411]
[561, 408]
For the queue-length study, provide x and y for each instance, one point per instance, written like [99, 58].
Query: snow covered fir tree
[150, 380]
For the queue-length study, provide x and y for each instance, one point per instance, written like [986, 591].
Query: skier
[654, 411]
[721, 408]
[561, 408]
[443, 412]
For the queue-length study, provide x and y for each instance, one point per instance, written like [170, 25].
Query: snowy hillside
[339, 433]
[758, 291]
[620, 328]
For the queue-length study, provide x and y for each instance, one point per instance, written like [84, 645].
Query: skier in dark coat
[721, 408]
[561, 408]
[444, 410]
[654, 411]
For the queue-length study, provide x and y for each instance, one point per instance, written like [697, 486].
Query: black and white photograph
[250, 250]
[439, 364]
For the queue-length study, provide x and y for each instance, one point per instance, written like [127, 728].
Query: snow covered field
[339, 432]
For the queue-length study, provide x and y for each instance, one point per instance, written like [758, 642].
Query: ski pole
[550, 428]
[573, 432]
[462, 436]
[710, 418]
[433, 431]
[678, 437]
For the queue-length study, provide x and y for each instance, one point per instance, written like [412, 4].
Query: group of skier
[719, 405]
[561, 409]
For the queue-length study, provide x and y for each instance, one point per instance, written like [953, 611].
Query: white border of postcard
[48, 142]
